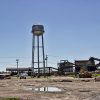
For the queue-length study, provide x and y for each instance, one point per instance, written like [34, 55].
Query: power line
[55, 56]
[15, 57]
[31, 57]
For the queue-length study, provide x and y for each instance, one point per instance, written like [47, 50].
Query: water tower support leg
[38, 56]
[33, 51]
[43, 55]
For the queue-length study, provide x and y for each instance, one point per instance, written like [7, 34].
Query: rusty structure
[65, 66]
[89, 65]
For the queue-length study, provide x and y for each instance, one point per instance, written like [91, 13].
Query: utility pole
[17, 61]
[46, 60]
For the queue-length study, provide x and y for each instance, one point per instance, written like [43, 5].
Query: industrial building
[21, 70]
[89, 65]
[48, 70]
[5, 76]
[65, 66]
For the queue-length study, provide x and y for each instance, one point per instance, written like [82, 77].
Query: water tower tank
[38, 30]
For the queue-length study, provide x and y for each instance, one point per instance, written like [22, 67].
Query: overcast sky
[72, 30]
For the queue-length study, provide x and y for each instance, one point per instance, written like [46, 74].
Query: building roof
[4, 74]
[65, 63]
[26, 69]
[83, 63]
[20, 69]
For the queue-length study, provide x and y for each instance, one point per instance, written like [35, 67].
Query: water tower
[37, 44]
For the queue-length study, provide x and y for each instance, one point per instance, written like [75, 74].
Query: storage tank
[38, 30]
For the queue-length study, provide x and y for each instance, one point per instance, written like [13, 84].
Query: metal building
[89, 65]
[65, 66]
[48, 70]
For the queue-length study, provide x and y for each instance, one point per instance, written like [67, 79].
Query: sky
[72, 30]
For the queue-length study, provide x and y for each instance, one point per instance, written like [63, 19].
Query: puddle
[29, 88]
[47, 89]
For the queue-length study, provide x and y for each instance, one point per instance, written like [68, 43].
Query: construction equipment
[92, 59]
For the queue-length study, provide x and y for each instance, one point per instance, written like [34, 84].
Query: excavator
[93, 59]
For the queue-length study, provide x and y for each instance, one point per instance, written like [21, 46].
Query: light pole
[17, 61]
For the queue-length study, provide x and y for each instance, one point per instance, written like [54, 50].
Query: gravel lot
[72, 88]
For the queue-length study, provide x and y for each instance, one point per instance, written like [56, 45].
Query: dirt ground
[72, 88]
